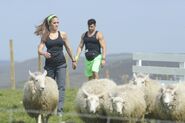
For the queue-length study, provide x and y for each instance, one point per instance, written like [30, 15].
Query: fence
[13, 118]
[174, 71]
[12, 66]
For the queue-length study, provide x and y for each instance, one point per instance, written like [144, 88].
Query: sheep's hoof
[59, 114]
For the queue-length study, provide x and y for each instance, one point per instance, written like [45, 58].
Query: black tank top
[55, 47]
[91, 43]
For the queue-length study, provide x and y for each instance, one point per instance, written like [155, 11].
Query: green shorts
[92, 66]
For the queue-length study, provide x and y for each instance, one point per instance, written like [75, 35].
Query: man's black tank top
[55, 48]
[91, 43]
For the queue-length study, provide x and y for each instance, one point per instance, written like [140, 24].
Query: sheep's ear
[162, 84]
[162, 87]
[134, 75]
[85, 92]
[31, 74]
[45, 73]
[110, 95]
[175, 89]
[146, 77]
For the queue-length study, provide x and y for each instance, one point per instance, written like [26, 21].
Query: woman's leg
[61, 79]
[50, 72]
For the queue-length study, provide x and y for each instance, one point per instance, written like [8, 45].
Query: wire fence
[106, 119]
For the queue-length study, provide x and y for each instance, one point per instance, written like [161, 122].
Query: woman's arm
[41, 52]
[67, 46]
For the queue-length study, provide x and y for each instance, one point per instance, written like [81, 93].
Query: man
[95, 50]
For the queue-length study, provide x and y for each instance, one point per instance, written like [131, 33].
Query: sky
[128, 26]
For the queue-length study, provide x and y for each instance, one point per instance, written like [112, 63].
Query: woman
[55, 62]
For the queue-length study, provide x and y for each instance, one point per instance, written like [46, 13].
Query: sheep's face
[39, 79]
[92, 101]
[167, 97]
[118, 104]
[139, 80]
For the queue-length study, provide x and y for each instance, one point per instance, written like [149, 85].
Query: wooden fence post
[12, 67]
[107, 74]
[39, 63]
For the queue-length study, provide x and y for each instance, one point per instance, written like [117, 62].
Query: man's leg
[95, 75]
[90, 77]
[96, 67]
[88, 69]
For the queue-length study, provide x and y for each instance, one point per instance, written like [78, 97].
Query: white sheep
[90, 98]
[40, 97]
[128, 102]
[173, 99]
[159, 109]
[151, 89]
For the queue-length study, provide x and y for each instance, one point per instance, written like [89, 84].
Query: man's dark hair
[91, 21]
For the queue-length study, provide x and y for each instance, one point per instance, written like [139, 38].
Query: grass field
[12, 111]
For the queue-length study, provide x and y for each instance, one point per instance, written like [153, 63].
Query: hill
[117, 67]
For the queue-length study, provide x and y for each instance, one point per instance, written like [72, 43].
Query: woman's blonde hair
[43, 29]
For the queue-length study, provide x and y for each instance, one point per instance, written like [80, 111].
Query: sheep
[128, 102]
[160, 111]
[40, 98]
[173, 99]
[90, 98]
[151, 89]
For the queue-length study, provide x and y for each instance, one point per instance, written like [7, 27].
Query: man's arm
[103, 44]
[80, 47]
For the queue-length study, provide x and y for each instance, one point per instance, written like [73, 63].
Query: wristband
[43, 53]
[103, 59]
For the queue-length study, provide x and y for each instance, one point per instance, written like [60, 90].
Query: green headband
[50, 17]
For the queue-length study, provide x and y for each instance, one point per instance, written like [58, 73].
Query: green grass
[12, 111]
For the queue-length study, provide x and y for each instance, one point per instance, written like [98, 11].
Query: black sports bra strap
[59, 35]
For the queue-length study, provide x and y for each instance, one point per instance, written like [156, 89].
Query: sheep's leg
[131, 120]
[43, 118]
[143, 119]
[38, 119]
[140, 120]
[47, 117]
